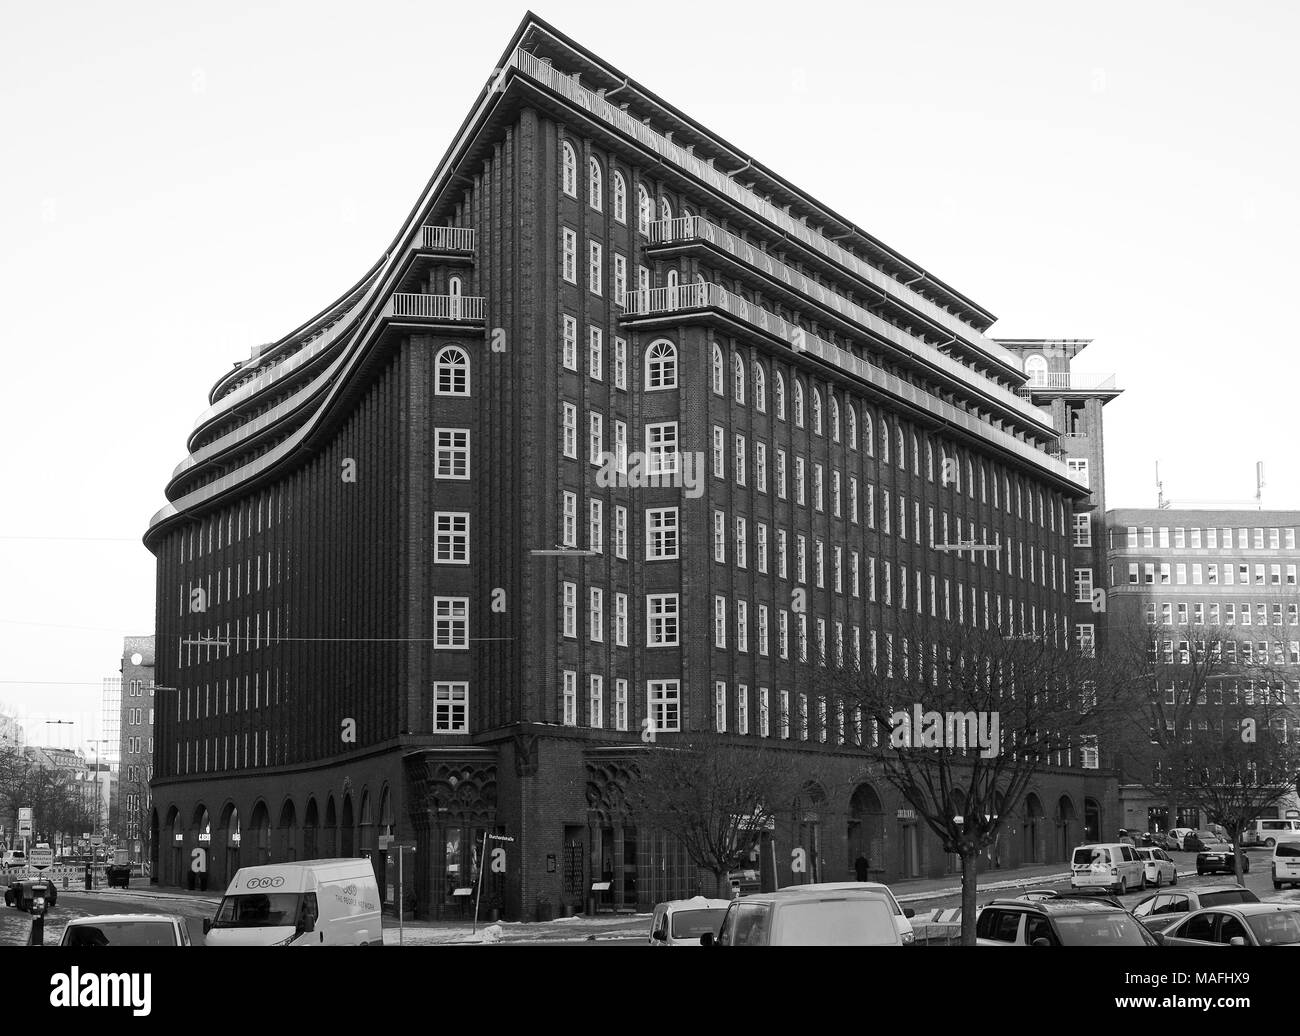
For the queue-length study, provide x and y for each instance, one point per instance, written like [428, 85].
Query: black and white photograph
[621, 477]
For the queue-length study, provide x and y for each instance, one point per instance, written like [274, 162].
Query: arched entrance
[367, 841]
[383, 856]
[200, 863]
[330, 842]
[1031, 851]
[287, 847]
[866, 833]
[154, 874]
[261, 831]
[347, 829]
[309, 831]
[1091, 820]
[805, 864]
[234, 838]
[1068, 826]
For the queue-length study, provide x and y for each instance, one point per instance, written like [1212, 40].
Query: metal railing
[567, 86]
[706, 295]
[1050, 380]
[692, 228]
[448, 239]
[436, 307]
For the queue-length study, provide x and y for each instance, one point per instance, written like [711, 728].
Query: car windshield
[1107, 929]
[836, 922]
[691, 924]
[121, 933]
[1209, 899]
[1287, 849]
[258, 910]
[1276, 929]
[1091, 854]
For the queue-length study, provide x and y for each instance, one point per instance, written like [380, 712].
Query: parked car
[1286, 864]
[22, 891]
[1068, 921]
[1157, 912]
[1176, 838]
[1160, 869]
[126, 930]
[1111, 865]
[1245, 924]
[902, 915]
[1269, 832]
[14, 858]
[119, 871]
[1217, 856]
[1036, 895]
[843, 917]
[681, 922]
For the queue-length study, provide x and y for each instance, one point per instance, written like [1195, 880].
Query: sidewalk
[918, 889]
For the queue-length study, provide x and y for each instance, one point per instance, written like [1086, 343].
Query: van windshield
[258, 910]
[691, 924]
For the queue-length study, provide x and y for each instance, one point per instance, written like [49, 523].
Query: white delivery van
[307, 903]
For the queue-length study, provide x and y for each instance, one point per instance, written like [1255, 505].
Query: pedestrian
[862, 867]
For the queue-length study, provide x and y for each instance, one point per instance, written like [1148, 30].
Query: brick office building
[1226, 576]
[396, 597]
[134, 731]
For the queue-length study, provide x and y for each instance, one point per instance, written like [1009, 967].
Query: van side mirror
[207, 925]
[908, 912]
[1040, 941]
[706, 939]
[660, 935]
[1236, 940]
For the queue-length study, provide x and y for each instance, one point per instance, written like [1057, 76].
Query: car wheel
[1270, 842]
[1199, 872]
[1123, 886]
[1174, 879]
[1159, 879]
[1277, 885]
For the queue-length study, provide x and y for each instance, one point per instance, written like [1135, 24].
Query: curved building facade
[401, 600]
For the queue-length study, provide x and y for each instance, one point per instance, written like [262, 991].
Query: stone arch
[260, 829]
[1067, 822]
[202, 825]
[287, 832]
[330, 833]
[866, 832]
[173, 849]
[310, 829]
[1032, 830]
[367, 840]
[230, 831]
[347, 827]
[1091, 820]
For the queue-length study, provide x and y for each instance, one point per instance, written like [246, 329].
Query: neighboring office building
[362, 636]
[135, 747]
[1180, 569]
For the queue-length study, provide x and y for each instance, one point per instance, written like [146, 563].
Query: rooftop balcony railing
[439, 308]
[566, 86]
[1049, 381]
[707, 296]
[697, 228]
[448, 239]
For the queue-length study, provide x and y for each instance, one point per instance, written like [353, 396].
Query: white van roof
[300, 874]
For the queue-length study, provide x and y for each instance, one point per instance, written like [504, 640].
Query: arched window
[738, 378]
[817, 410]
[760, 388]
[984, 495]
[835, 419]
[884, 442]
[718, 371]
[644, 209]
[451, 370]
[929, 461]
[661, 365]
[1036, 368]
[665, 209]
[852, 427]
[454, 290]
[595, 188]
[1006, 492]
[569, 172]
[620, 197]
[778, 391]
[798, 403]
[970, 478]
[868, 433]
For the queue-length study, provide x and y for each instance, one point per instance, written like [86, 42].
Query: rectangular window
[719, 622]
[783, 715]
[620, 279]
[620, 363]
[595, 438]
[661, 448]
[570, 248]
[764, 713]
[742, 626]
[799, 495]
[780, 474]
[596, 614]
[719, 537]
[761, 548]
[570, 609]
[596, 353]
[661, 620]
[742, 709]
[596, 701]
[452, 453]
[570, 701]
[620, 620]
[818, 501]
[620, 704]
[741, 466]
[720, 706]
[1082, 530]
[661, 533]
[835, 494]
[719, 452]
[664, 705]
[451, 708]
[762, 630]
[781, 553]
[620, 532]
[451, 537]
[596, 526]
[595, 262]
[569, 519]
[570, 416]
[742, 543]
[450, 623]
[853, 500]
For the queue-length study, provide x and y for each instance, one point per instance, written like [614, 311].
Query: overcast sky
[180, 181]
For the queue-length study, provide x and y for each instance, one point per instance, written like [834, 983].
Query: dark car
[1216, 856]
[1164, 909]
[1065, 921]
[20, 893]
[1037, 895]
[1244, 924]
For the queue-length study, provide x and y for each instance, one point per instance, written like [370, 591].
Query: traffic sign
[96, 839]
[41, 858]
[25, 822]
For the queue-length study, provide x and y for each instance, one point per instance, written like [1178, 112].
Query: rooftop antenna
[1161, 503]
[1259, 485]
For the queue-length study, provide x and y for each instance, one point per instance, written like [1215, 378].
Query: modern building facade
[1226, 576]
[133, 731]
[552, 476]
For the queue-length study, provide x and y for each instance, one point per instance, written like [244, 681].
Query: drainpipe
[616, 89]
[748, 163]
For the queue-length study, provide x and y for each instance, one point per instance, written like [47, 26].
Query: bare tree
[961, 719]
[717, 795]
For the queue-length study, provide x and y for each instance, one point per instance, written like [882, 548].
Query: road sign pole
[401, 851]
[482, 862]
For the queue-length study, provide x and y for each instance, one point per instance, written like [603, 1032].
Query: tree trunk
[969, 859]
